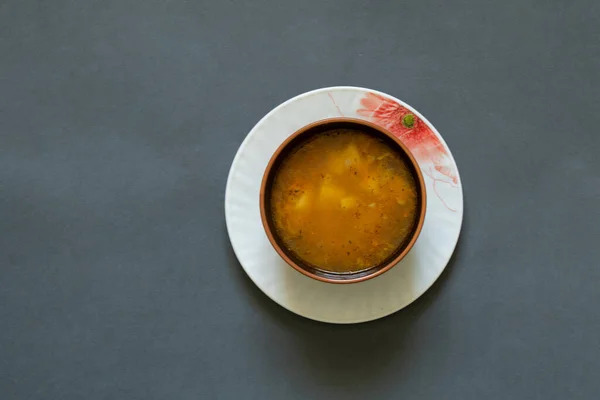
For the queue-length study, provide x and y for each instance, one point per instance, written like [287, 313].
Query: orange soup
[343, 201]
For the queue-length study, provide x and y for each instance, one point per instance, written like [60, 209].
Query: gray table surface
[119, 121]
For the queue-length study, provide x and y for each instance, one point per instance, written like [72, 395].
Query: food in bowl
[343, 198]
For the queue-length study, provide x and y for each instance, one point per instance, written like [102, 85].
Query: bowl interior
[297, 139]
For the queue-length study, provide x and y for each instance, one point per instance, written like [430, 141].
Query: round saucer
[371, 299]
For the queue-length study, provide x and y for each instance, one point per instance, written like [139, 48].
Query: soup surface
[343, 201]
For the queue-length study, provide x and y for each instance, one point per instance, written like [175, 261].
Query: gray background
[119, 121]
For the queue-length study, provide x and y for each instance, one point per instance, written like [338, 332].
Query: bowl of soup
[342, 200]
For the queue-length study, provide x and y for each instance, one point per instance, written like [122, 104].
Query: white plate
[374, 298]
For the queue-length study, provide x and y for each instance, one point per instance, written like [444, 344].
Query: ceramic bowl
[296, 139]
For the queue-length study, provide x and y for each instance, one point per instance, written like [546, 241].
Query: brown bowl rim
[263, 211]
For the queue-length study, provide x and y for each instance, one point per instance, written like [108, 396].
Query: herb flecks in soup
[344, 201]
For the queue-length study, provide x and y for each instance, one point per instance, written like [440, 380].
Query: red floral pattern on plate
[415, 134]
